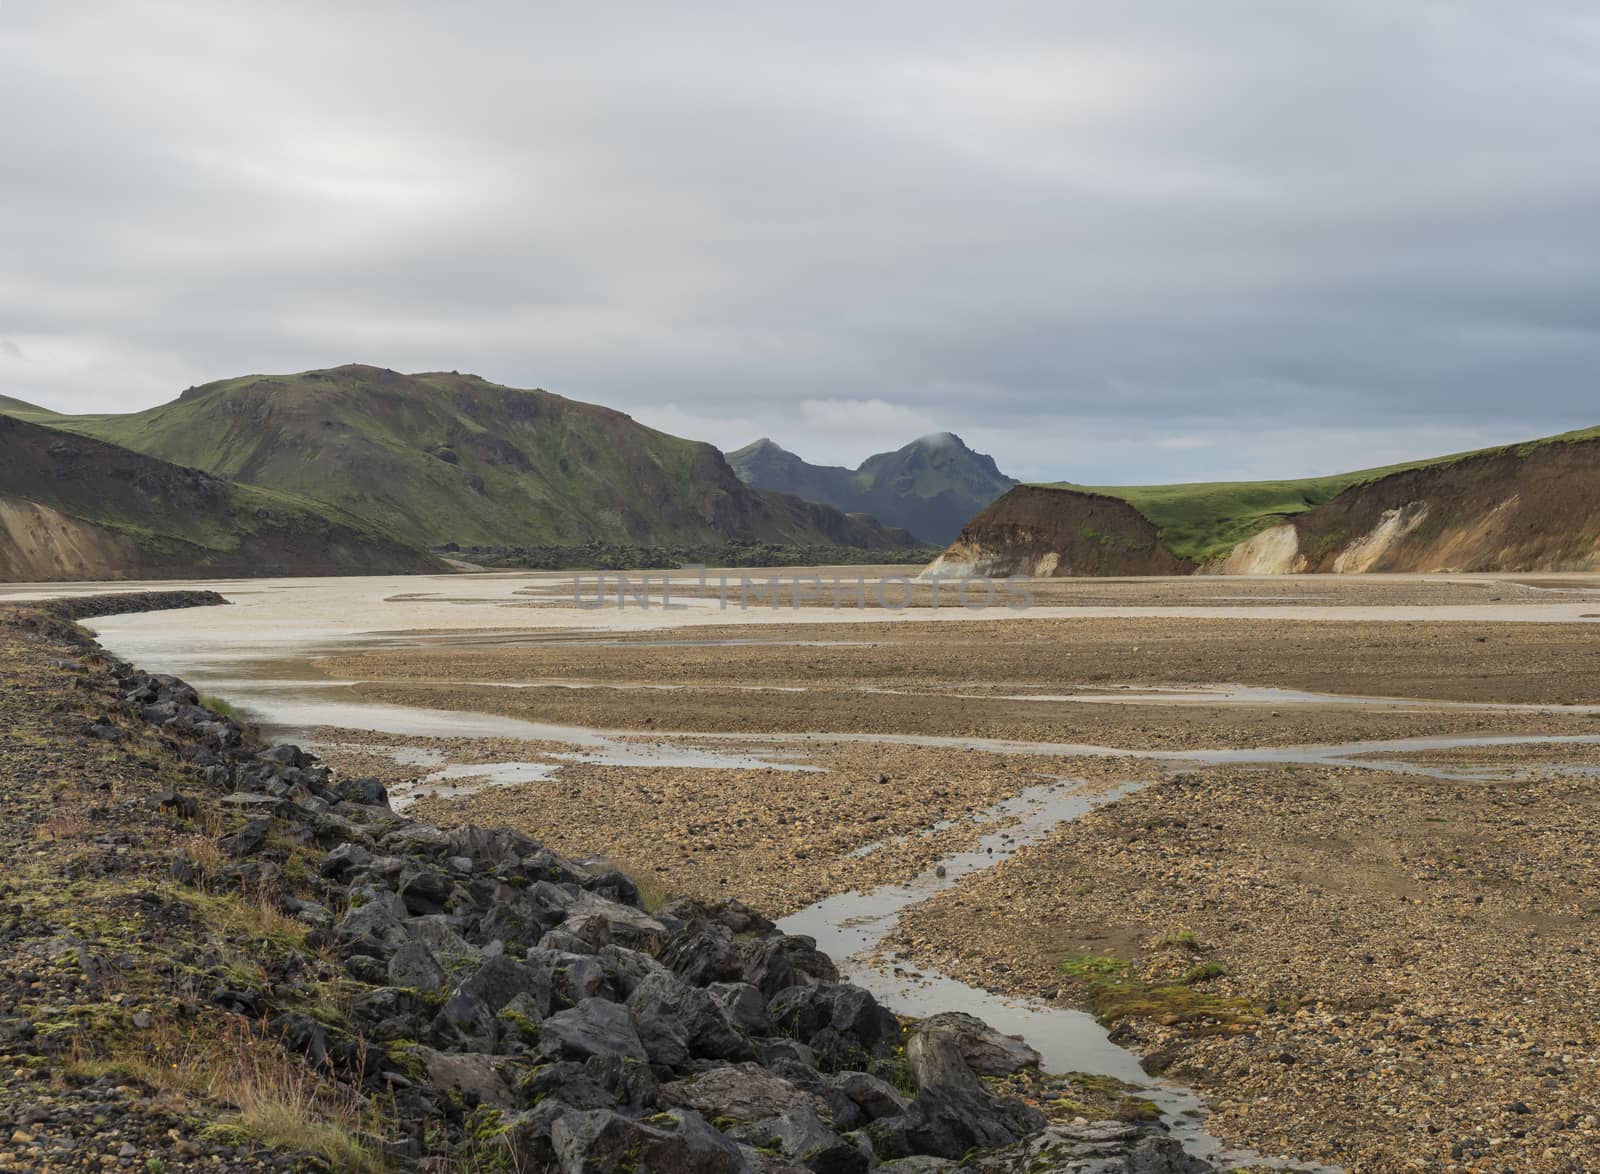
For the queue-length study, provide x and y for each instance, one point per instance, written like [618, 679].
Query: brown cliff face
[1532, 507]
[1058, 532]
[1536, 509]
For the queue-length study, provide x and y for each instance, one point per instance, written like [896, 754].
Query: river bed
[234, 653]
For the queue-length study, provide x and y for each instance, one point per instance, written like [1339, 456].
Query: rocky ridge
[427, 998]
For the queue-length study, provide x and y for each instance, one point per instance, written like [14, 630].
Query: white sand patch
[1365, 552]
[1274, 551]
[958, 561]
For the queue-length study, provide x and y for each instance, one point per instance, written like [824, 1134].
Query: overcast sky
[1111, 242]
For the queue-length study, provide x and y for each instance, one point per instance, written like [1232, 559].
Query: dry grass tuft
[273, 1097]
[66, 826]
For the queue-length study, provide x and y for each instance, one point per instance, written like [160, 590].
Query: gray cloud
[1102, 241]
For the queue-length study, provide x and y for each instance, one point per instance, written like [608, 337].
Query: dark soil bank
[215, 954]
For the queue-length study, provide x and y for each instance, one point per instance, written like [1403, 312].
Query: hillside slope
[1524, 507]
[76, 508]
[1505, 510]
[930, 487]
[17, 407]
[441, 457]
[1039, 531]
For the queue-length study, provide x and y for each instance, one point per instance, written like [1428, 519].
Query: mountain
[17, 407]
[441, 457]
[1523, 507]
[930, 487]
[77, 508]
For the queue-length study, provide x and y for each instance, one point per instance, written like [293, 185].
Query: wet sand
[1463, 661]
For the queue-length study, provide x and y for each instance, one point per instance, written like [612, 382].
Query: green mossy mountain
[441, 457]
[931, 487]
[72, 507]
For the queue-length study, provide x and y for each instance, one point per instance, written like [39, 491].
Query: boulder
[344, 859]
[569, 1082]
[389, 1013]
[741, 1092]
[704, 1024]
[677, 1142]
[594, 1027]
[471, 1074]
[600, 1082]
[1163, 1155]
[562, 980]
[986, 1051]
[614, 885]
[519, 919]
[304, 1036]
[247, 841]
[632, 1084]
[491, 847]
[417, 840]
[874, 1097]
[703, 953]
[366, 792]
[377, 919]
[469, 1018]
[936, 1061]
[413, 965]
[523, 1143]
[426, 892]
[497, 981]
[439, 935]
[628, 968]
[560, 939]
[802, 1138]
[774, 964]
[600, 922]
[949, 1121]
[545, 865]
[743, 1005]
[844, 1024]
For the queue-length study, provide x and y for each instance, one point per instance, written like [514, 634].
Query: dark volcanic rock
[414, 966]
[950, 1121]
[594, 1027]
[676, 1142]
[774, 964]
[742, 1092]
[983, 1049]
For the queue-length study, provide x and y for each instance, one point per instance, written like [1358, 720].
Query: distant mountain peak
[930, 486]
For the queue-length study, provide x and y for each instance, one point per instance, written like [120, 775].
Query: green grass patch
[220, 707]
[1095, 966]
[1114, 991]
[1205, 972]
